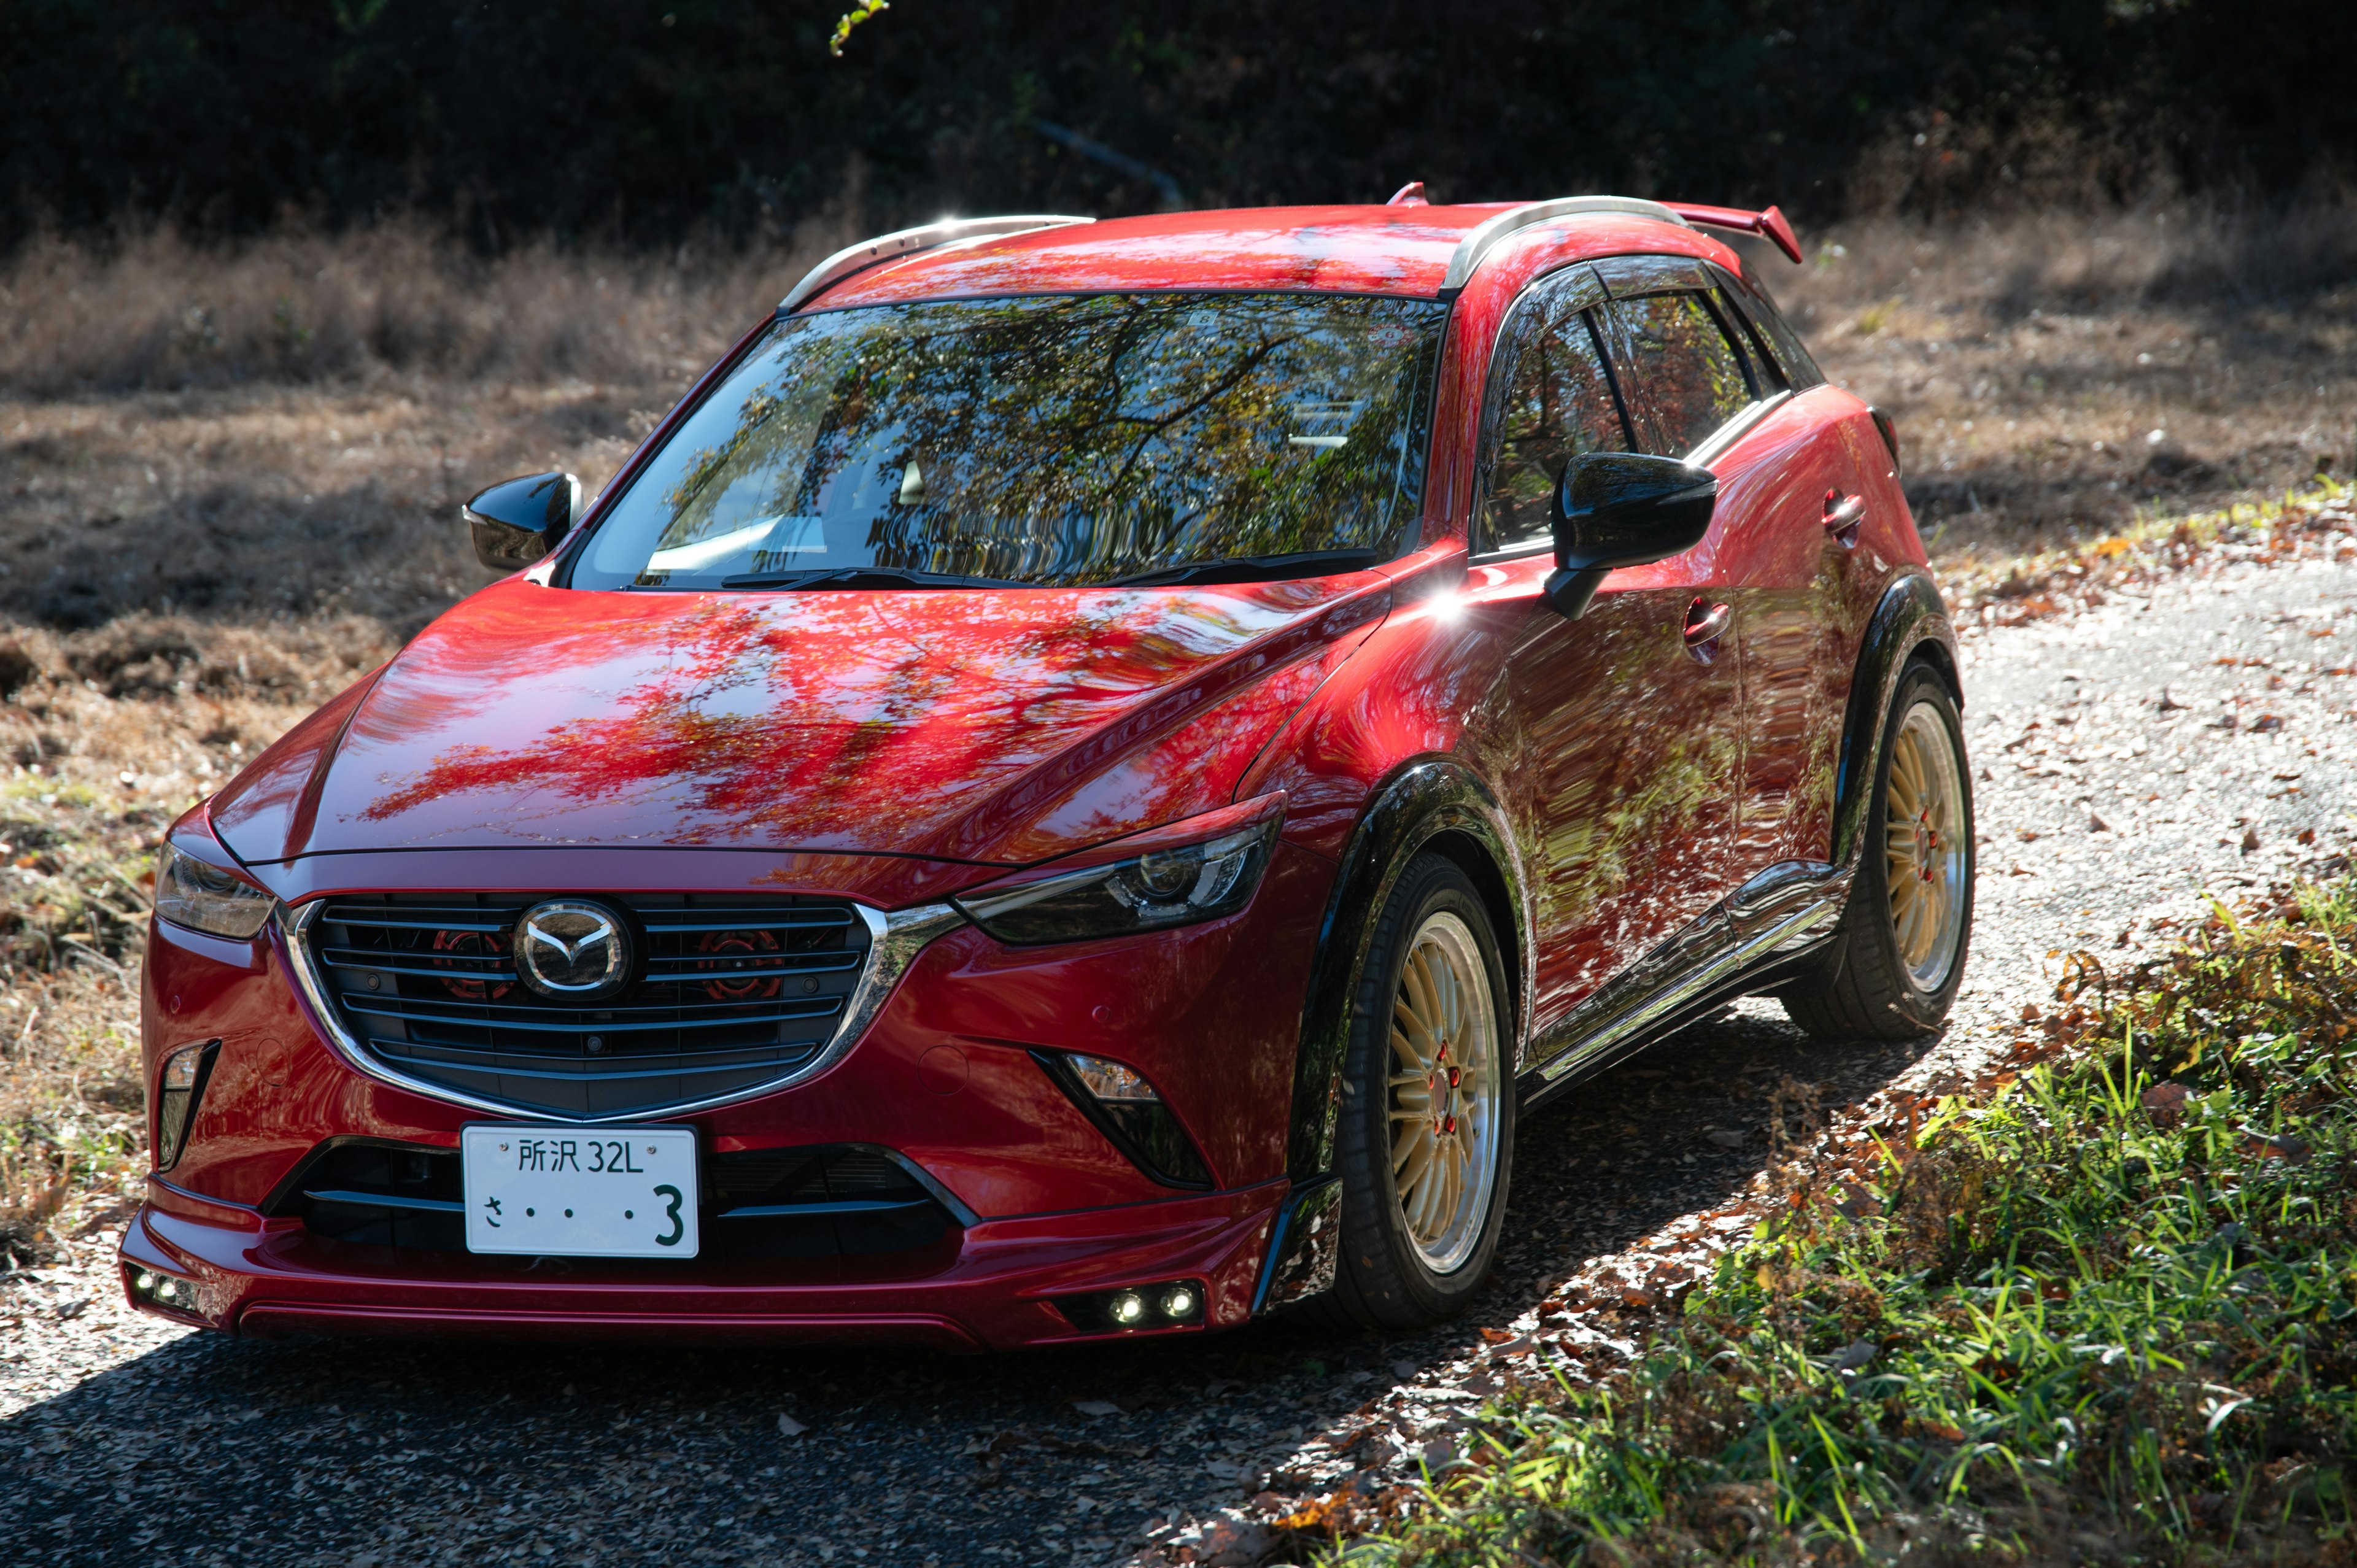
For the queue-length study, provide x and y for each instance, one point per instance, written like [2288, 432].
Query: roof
[1402, 250]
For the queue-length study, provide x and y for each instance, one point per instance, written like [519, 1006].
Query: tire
[1896, 964]
[1410, 1261]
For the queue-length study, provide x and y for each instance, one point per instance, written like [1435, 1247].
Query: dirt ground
[227, 485]
[221, 500]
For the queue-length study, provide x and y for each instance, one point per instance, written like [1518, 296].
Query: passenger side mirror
[1622, 509]
[517, 521]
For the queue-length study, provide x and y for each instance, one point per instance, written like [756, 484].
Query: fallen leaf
[1097, 1407]
[788, 1427]
[2290, 1151]
[2250, 840]
[1495, 1336]
[2165, 1100]
[1857, 1201]
[2169, 704]
[2097, 823]
[1856, 1354]
[2266, 722]
[2306, 836]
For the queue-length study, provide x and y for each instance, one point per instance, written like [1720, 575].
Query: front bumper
[945, 1077]
[266, 1277]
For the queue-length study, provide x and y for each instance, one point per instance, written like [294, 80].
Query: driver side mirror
[1622, 509]
[517, 521]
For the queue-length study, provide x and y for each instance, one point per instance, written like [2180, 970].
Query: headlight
[206, 898]
[1173, 887]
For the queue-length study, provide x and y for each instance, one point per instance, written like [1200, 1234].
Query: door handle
[1844, 515]
[1704, 622]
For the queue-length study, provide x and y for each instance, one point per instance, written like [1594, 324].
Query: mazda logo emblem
[572, 950]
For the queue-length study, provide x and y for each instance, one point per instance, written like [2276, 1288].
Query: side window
[1682, 368]
[1801, 371]
[1767, 377]
[1551, 399]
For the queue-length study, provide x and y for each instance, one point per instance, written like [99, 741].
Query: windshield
[1055, 441]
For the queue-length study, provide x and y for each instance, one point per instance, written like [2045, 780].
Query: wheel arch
[1432, 802]
[1910, 623]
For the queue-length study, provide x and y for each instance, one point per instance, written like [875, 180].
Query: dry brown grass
[150, 310]
[2030, 362]
[229, 482]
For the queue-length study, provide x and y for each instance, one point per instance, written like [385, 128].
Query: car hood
[990, 726]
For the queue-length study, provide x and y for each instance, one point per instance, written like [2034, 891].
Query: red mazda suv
[1074, 788]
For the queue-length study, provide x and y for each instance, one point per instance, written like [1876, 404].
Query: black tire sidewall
[1870, 900]
[1392, 1286]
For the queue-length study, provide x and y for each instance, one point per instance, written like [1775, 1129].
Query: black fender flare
[1910, 620]
[1426, 798]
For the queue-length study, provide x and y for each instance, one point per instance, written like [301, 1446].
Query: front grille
[819, 1201]
[732, 993]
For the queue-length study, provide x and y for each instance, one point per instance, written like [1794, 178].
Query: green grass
[2072, 1322]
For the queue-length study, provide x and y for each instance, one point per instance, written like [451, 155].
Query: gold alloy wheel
[1925, 845]
[1444, 1085]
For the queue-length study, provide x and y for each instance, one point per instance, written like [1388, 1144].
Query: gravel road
[2106, 814]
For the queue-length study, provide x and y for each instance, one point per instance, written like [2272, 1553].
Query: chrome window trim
[907, 242]
[894, 941]
[1476, 246]
[1715, 445]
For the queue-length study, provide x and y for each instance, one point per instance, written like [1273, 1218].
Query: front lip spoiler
[894, 941]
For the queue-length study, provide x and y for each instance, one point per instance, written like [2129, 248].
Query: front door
[1705, 388]
[1615, 738]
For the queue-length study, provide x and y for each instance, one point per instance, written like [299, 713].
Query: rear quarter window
[1792, 355]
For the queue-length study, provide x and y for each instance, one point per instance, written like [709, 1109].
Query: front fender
[1425, 799]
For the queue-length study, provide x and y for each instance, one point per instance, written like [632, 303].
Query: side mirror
[1622, 509]
[517, 521]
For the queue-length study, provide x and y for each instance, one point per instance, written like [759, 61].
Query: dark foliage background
[630, 119]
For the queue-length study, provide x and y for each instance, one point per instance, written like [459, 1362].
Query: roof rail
[1772, 224]
[907, 242]
[1479, 244]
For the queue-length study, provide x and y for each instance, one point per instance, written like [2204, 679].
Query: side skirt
[1766, 929]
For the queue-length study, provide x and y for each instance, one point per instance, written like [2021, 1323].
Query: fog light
[179, 1085]
[1173, 1304]
[1130, 1115]
[150, 1287]
[1111, 1080]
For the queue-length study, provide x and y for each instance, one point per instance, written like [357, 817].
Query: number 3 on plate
[678, 1225]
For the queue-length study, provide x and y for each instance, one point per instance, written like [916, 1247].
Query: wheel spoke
[1442, 1022]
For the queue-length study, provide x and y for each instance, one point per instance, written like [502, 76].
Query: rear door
[1608, 735]
[1709, 387]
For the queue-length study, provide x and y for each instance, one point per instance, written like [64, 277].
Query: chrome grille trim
[895, 939]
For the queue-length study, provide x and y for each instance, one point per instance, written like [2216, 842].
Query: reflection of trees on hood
[1073, 438]
[819, 718]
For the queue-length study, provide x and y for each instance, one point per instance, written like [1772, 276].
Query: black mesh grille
[819, 1201]
[732, 993]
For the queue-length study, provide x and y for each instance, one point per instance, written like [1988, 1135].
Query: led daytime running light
[1152, 891]
[206, 898]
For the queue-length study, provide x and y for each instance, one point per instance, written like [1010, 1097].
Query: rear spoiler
[1771, 225]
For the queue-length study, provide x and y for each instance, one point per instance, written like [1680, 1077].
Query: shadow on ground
[390, 1453]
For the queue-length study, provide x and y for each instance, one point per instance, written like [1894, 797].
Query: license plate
[580, 1192]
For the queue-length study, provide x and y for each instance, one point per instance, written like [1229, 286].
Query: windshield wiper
[1256, 568]
[864, 578]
